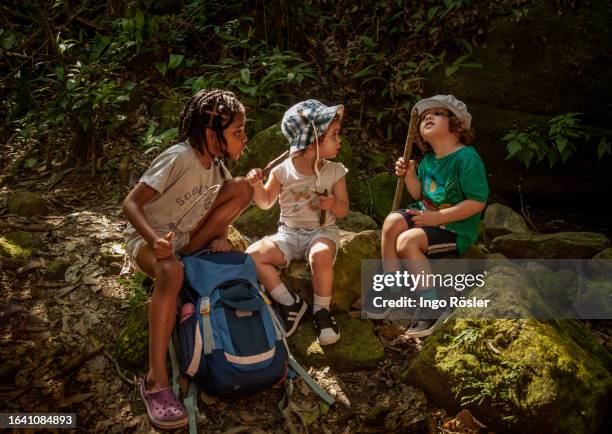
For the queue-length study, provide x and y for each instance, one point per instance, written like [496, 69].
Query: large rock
[376, 195]
[27, 204]
[347, 277]
[568, 245]
[357, 222]
[528, 80]
[18, 245]
[502, 220]
[132, 344]
[517, 375]
[257, 222]
[264, 147]
[358, 348]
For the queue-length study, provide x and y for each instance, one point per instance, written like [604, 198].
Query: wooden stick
[399, 188]
[272, 164]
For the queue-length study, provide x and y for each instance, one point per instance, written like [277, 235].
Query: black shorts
[441, 243]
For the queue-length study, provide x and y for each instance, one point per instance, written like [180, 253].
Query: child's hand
[327, 202]
[425, 218]
[220, 244]
[254, 176]
[401, 169]
[162, 247]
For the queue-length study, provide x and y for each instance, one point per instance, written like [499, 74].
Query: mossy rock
[377, 194]
[257, 222]
[18, 245]
[529, 82]
[264, 147]
[27, 204]
[502, 220]
[358, 348]
[517, 375]
[111, 252]
[355, 221]
[601, 263]
[131, 346]
[562, 245]
[347, 277]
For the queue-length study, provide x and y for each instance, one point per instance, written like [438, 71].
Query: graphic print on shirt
[434, 192]
[304, 197]
[199, 209]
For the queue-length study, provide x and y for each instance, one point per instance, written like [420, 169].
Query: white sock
[320, 303]
[281, 295]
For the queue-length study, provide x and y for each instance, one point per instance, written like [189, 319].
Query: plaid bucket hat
[306, 120]
[449, 102]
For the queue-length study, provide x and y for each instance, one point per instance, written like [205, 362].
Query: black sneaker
[326, 328]
[291, 315]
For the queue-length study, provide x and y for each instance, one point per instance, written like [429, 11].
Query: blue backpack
[231, 341]
[228, 339]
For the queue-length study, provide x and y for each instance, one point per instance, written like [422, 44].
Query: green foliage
[155, 140]
[557, 143]
[139, 286]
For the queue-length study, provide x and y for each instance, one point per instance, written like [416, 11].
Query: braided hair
[215, 109]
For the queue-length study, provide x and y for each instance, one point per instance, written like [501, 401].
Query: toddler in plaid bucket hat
[307, 121]
[312, 193]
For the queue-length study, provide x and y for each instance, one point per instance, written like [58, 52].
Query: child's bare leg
[412, 245]
[267, 257]
[321, 259]
[393, 226]
[234, 197]
[168, 274]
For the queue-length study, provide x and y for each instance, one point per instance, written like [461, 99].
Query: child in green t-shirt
[451, 186]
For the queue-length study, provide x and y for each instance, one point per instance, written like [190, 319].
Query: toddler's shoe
[326, 328]
[291, 315]
[163, 407]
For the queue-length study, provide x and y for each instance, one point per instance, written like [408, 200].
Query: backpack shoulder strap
[310, 381]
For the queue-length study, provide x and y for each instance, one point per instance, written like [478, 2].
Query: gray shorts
[295, 243]
[134, 243]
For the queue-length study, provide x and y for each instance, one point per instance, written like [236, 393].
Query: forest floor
[57, 333]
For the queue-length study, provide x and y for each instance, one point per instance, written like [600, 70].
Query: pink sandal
[163, 407]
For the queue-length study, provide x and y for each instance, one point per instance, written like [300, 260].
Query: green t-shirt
[449, 180]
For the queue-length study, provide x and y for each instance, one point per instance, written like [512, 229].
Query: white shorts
[295, 243]
[135, 243]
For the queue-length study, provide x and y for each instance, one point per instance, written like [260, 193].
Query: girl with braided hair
[185, 200]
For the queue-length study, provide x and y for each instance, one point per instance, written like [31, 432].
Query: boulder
[264, 147]
[601, 263]
[132, 344]
[356, 222]
[502, 220]
[347, 277]
[111, 252]
[27, 204]
[516, 375]
[256, 222]
[531, 79]
[358, 348]
[568, 245]
[18, 245]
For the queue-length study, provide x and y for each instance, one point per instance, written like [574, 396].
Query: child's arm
[132, 208]
[264, 195]
[460, 211]
[413, 183]
[337, 202]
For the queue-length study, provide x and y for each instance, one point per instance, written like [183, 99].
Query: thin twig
[118, 369]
